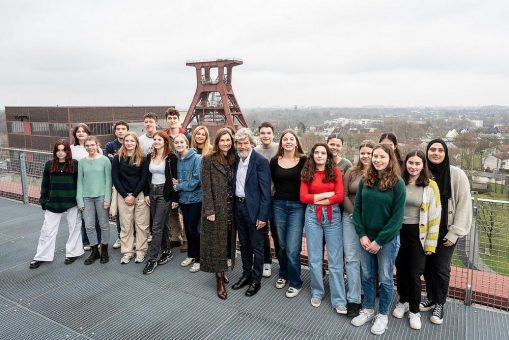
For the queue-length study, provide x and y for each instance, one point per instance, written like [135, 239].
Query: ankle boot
[221, 289]
[94, 255]
[104, 253]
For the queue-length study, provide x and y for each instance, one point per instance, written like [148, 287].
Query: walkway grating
[116, 301]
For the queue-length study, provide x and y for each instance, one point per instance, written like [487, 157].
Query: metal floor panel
[115, 301]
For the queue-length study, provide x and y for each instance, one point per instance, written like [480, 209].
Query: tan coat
[218, 193]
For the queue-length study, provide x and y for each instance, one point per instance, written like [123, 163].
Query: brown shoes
[221, 289]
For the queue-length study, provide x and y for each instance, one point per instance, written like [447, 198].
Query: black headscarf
[442, 175]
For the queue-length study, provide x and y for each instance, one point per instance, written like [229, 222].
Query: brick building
[37, 127]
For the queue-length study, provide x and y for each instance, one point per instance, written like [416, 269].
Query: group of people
[364, 219]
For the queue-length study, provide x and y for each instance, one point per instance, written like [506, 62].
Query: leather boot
[94, 255]
[221, 289]
[104, 253]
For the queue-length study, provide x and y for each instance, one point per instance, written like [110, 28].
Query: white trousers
[46, 247]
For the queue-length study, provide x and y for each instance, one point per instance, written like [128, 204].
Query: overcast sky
[306, 53]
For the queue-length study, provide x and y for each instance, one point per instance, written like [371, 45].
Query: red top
[317, 186]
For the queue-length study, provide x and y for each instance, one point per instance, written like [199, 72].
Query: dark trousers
[410, 266]
[84, 237]
[251, 243]
[159, 208]
[267, 256]
[191, 214]
[437, 272]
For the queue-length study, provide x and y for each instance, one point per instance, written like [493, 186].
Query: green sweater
[94, 179]
[379, 214]
[58, 190]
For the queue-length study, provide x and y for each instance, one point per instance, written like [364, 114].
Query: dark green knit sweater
[379, 214]
[58, 190]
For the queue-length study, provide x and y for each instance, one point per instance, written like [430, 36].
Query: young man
[150, 125]
[268, 149]
[120, 129]
[176, 232]
[251, 208]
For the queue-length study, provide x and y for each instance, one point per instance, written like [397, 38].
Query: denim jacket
[189, 178]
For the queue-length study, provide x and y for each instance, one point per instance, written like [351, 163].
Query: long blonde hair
[137, 157]
[207, 147]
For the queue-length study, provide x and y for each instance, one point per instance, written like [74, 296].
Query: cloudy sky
[306, 53]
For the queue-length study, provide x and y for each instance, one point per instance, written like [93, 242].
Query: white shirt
[240, 179]
[146, 143]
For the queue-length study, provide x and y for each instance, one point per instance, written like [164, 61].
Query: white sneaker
[116, 245]
[267, 270]
[380, 324]
[415, 320]
[280, 283]
[149, 239]
[187, 262]
[86, 248]
[316, 302]
[139, 259]
[365, 315]
[400, 310]
[195, 268]
[125, 259]
[341, 310]
[292, 292]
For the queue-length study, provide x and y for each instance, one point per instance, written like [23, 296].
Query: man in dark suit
[252, 208]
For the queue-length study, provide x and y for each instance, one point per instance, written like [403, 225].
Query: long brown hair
[309, 169]
[358, 169]
[167, 149]
[69, 163]
[424, 175]
[299, 152]
[137, 157]
[388, 177]
[75, 130]
[207, 148]
[217, 154]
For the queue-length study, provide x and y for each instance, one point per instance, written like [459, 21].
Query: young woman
[94, 197]
[218, 235]
[455, 222]
[321, 189]
[160, 196]
[58, 196]
[287, 210]
[418, 235]
[351, 244]
[335, 143]
[391, 140]
[188, 185]
[200, 140]
[129, 175]
[378, 214]
[80, 133]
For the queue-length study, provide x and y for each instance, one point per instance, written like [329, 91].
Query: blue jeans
[352, 250]
[315, 232]
[94, 211]
[381, 263]
[289, 220]
[84, 237]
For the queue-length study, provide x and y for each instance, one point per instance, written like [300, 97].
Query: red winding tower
[214, 104]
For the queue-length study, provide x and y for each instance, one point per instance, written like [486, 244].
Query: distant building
[497, 161]
[38, 127]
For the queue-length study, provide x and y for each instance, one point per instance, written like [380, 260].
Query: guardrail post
[471, 254]
[24, 176]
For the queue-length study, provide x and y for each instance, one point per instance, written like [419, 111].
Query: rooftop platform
[114, 301]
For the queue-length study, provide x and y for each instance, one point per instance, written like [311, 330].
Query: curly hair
[386, 178]
[68, 164]
[309, 169]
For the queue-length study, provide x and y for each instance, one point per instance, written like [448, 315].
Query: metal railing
[480, 271]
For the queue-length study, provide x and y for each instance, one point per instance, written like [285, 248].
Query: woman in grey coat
[218, 231]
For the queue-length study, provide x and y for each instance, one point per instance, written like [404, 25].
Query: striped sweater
[429, 217]
[58, 190]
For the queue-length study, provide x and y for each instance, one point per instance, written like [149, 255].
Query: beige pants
[176, 231]
[134, 216]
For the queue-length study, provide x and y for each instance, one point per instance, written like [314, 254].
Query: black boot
[104, 253]
[94, 255]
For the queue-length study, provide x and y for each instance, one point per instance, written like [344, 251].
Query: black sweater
[128, 178]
